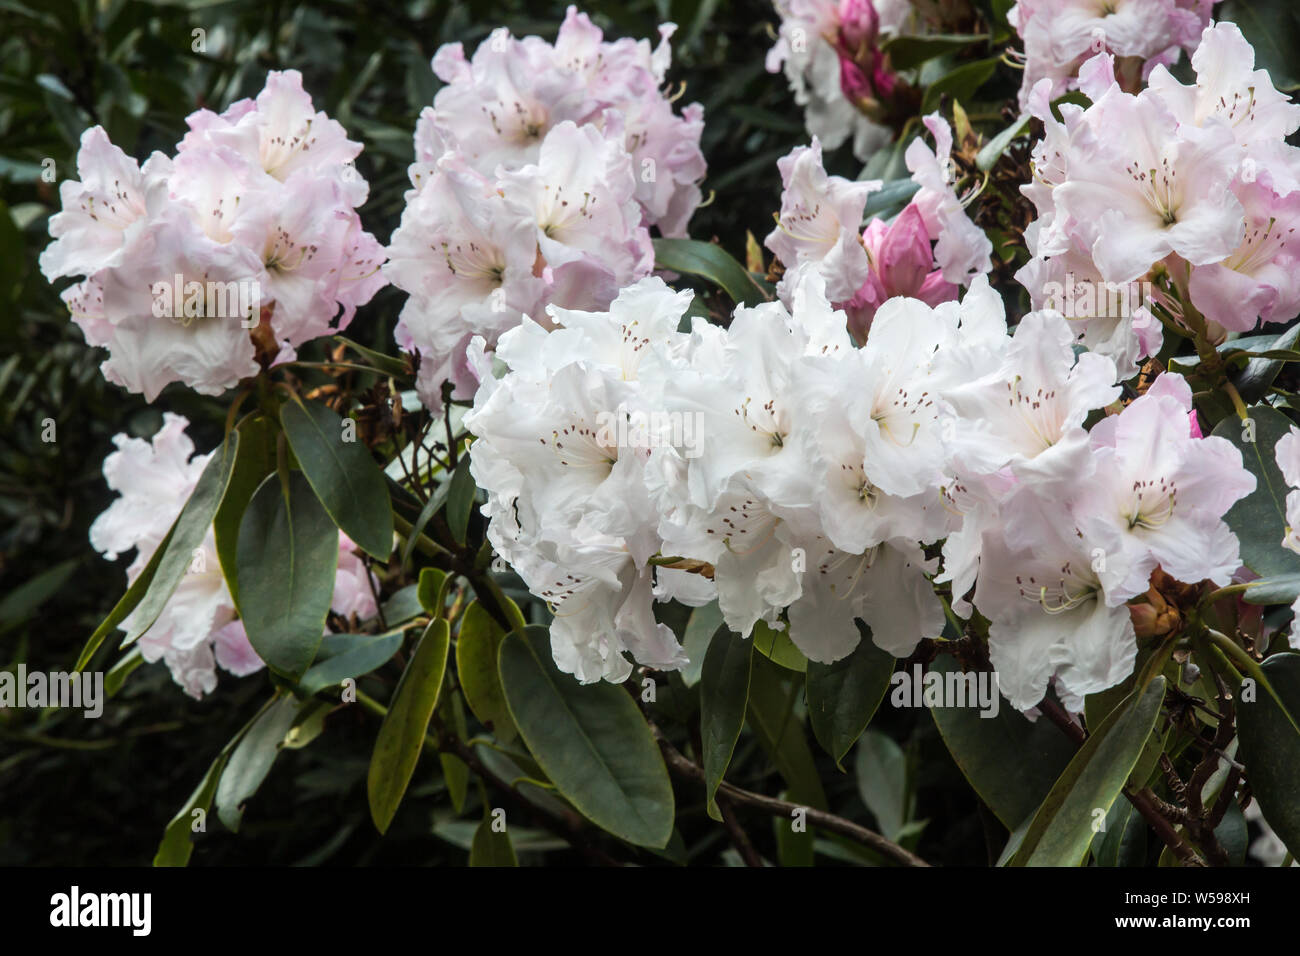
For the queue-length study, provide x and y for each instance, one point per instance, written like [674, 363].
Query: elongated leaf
[1259, 519]
[906, 52]
[252, 759]
[455, 772]
[126, 604]
[700, 628]
[1065, 825]
[777, 647]
[1255, 379]
[724, 692]
[288, 558]
[253, 462]
[881, 770]
[591, 741]
[178, 839]
[460, 499]
[358, 654]
[960, 83]
[342, 474]
[772, 717]
[710, 261]
[491, 847]
[843, 696]
[1270, 747]
[19, 603]
[432, 590]
[401, 736]
[186, 537]
[477, 645]
[1124, 840]
[1009, 761]
[992, 151]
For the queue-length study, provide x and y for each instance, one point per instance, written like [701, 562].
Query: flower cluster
[1059, 35]
[821, 215]
[540, 169]
[240, 248]
[830, 53]
[198, 628]
[1190, 189]
[807, 483]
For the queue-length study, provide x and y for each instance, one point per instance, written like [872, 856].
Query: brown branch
[739, 838]
[687, 769]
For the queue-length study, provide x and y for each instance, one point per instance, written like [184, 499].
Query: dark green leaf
[288, 559]
[477, 645]
[1064, 827]
[460, 499]
[591, 741]
[253, 462]
[1270, 747]
[1259, 519]
[843, 696]
[401, 736]
[724, 692]
[343, 475]
[252, 759]
[710, 261]
[186, 537]
[1009, 761]
[491, 848]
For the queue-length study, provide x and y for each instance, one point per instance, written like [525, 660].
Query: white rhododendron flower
[251, 230]
[198, 628]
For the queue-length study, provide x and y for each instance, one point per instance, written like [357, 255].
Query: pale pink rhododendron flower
[253, 222]
[1192, 186]
[198, 629]
[1060, 35]
[818, 226]
[829, 51]
[540, 170]
[902, 264]
[961, 248]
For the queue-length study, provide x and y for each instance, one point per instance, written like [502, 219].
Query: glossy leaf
[843, 696]
[186, 537]
[1064, 827]
[401, 736]
[1270, 747]
[710, 261]
[591, 741]
[477, 645]
[724, 692]
[288, 555]
[1259, 519]
[343, 475]
[252, 759]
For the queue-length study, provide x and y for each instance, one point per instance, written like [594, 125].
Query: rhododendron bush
[653, 531]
